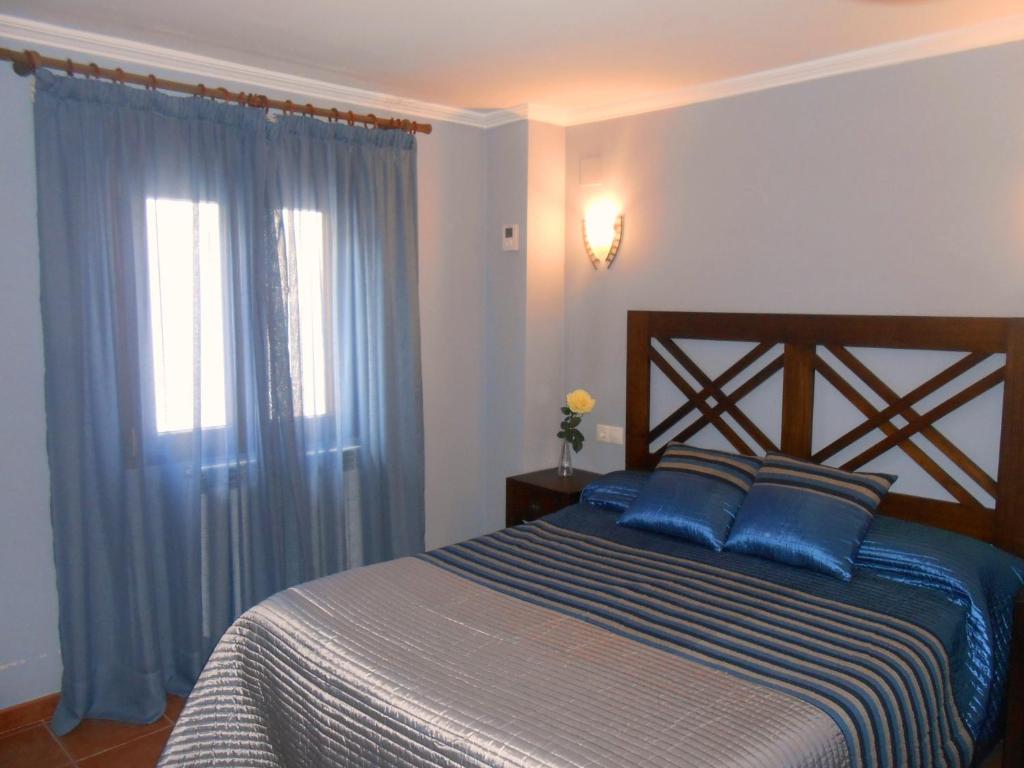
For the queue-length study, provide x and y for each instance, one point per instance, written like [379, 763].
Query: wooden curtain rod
[27, 62]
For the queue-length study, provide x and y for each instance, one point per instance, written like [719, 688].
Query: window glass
[304, 244]
[186, 313]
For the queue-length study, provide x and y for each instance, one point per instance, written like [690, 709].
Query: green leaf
[566, 410]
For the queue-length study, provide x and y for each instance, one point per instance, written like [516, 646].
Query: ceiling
[487, 54]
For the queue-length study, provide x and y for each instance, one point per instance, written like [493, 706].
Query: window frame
[176, 445]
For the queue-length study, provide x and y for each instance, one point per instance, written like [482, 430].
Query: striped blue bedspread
[881, 659]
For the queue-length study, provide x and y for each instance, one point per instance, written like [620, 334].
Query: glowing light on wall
[602, 232]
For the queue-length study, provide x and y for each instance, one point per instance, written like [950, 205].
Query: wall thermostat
[510, 237]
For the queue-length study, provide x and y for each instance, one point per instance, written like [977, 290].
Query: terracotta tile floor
[93, 744]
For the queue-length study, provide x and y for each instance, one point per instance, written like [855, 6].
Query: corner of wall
[544, 369]
[524, 303]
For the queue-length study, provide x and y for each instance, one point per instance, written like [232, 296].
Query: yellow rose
[580, 401]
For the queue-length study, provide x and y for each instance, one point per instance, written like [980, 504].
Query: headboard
[794, 344]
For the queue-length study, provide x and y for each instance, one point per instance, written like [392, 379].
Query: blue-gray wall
[891, 191]
[453, 209]
[501, 426]
[29, 654]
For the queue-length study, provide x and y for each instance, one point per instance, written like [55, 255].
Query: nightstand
[536, 494]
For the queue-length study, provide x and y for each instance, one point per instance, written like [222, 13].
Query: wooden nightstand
[536, 494]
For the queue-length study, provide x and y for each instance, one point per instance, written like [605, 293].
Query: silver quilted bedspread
[407, 664]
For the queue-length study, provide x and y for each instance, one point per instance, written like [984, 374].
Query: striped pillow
[808, 515]
[693, 494]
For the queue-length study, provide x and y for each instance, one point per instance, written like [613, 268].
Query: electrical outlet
[608, 434]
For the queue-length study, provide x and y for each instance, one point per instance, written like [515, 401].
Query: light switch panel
[609, 434]
[510, 237]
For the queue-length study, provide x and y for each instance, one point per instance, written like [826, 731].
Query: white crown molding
[118, 50]
[498, 117]
[536, 112]
[1006, 30]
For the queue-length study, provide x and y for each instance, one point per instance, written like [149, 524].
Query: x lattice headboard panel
[803, 339]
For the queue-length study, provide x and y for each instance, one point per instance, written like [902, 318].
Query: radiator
[348, 540]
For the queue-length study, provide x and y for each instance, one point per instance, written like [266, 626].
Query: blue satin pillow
[808, 515]
[616, 490]
[693, 494]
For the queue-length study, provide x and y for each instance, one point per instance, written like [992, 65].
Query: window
[183, 313]
[187, 307]
[303, 240]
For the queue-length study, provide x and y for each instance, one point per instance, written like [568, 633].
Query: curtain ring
[151, 82]
[35, 61]
[94, 69]
[335, 116]
[265, 103]
[371, 120]
[202, 90]
[224, 94]
[243, 97]
[69, 67]
[351, 119]
[310, 110]
[119, 75]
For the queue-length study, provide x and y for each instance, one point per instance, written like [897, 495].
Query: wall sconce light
[602, 232]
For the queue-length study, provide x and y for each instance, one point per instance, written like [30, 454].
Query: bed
[576, 641]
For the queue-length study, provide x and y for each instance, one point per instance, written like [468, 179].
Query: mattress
[572, 641]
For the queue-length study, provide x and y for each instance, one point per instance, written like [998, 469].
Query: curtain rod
[27, 62]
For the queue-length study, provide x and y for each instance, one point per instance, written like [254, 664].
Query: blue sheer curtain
[232, 371]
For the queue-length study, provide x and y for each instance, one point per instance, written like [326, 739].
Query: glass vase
[565, 463]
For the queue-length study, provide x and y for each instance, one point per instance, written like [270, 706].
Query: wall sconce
[602, 232]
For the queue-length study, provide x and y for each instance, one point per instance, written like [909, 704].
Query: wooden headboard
[794, 344]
